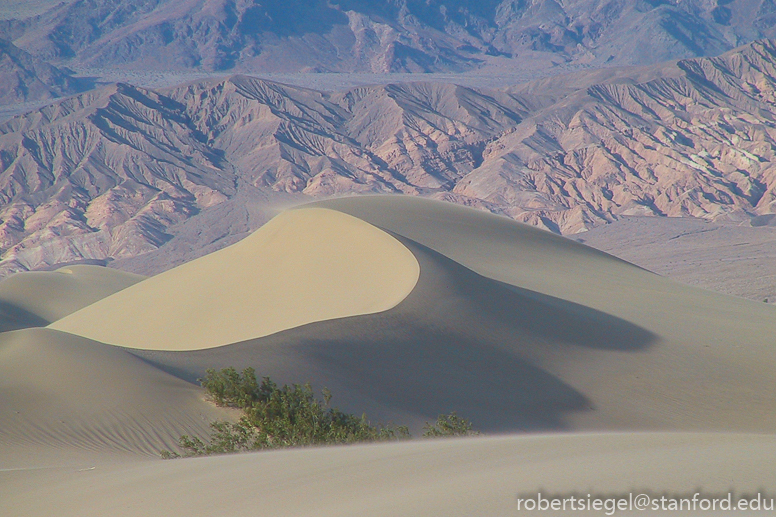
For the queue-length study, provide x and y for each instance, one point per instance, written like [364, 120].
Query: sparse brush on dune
[449, 425]
[291, 416]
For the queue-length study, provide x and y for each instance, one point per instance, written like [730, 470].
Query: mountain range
[25, 78]
[388, 36]
[111, 173]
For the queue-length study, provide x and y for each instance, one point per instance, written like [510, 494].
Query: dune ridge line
[304, 266]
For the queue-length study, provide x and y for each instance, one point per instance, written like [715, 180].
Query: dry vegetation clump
[291, 416]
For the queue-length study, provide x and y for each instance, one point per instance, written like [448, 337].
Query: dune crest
[512, 327]
[304, 266]
[37, 298]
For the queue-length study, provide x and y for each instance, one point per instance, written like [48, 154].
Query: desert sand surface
[405, 308]
[461, 477]
[672, 356]
[515, 327]
[301, 267]
[37, 298]
[63, 396]
[736, 258]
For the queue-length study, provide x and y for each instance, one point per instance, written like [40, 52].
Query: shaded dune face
[459, 341]
[520, 329]
[706, 368]
[304, 266]
[37, 298]
[61, 392]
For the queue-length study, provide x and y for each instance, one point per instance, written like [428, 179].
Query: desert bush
[229, 388]
[449, 425]
[290, 416]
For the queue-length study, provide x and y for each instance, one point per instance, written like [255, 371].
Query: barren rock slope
[692, 138]
[107, 174]
[397, 36]
[104, 174]
[24, 78]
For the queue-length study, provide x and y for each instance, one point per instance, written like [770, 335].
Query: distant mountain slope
[102, 174]
[400, 35]
[24, 78]
[695, 137]
[108, 173]
[392, 138]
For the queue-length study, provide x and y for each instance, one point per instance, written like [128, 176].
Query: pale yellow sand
[37, 298]
[468, 478]
[301, 267]
[549, 335]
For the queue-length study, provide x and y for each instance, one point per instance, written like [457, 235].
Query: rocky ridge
[692, 138]
[24, 78]
[110, 174]
[393, 36]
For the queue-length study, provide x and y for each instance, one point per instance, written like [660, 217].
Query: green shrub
[229, 388]
[290, 416]
[449, 425]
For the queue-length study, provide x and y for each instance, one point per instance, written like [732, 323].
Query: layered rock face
[101, 175]
[108, 173]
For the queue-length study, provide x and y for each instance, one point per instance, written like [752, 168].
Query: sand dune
[459, 341]
[520, 329]
[37, 298]
[405, 308]
[61, 395]
[467, 478]
[303, 266]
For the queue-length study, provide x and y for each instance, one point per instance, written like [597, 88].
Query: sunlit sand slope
[468, 478]
[459, 341]
[301, 267]
[405, 309]
[536, 332]
[61, 394]
[37, 298]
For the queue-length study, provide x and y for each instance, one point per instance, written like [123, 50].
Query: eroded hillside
[396, 36]
[108, 173]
